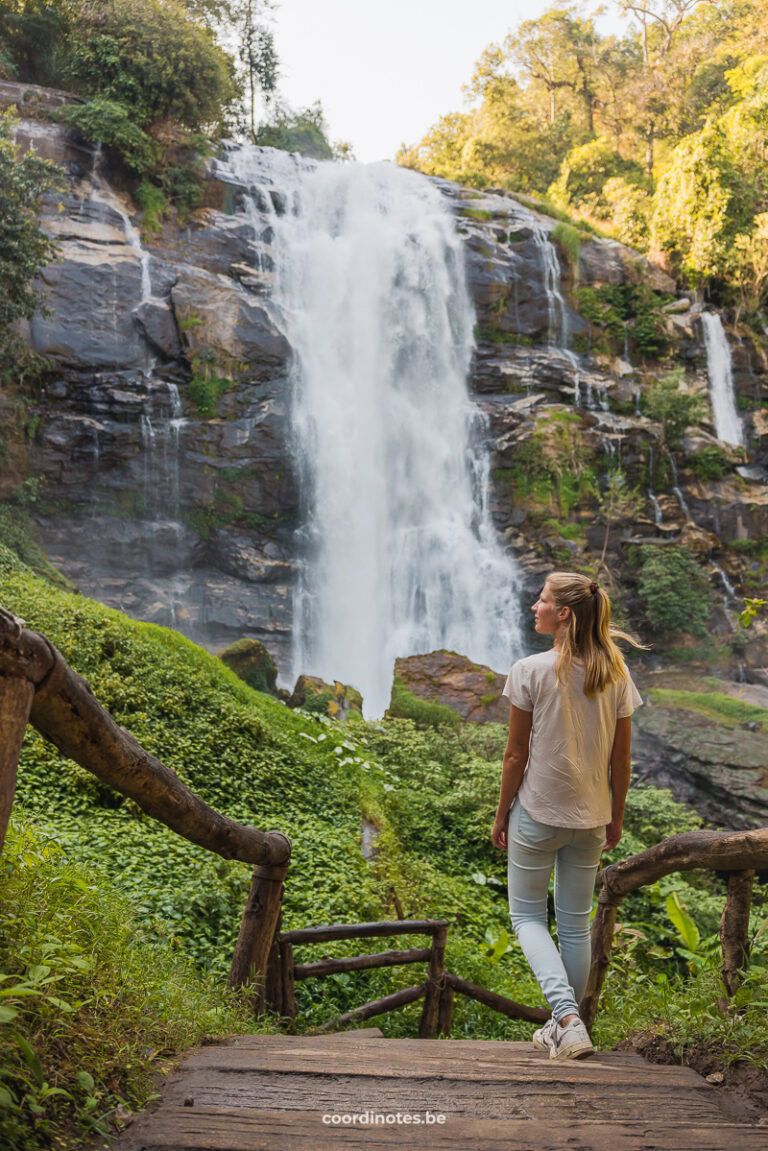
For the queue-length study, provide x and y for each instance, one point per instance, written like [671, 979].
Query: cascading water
[401, 554]
[728, 424]
[558, 333]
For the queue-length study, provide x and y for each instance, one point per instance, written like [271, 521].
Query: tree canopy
[656, 135]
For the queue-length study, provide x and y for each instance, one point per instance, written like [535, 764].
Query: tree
[296, 130]
[617, 502]
[660, 23]
[674, 409]
[674, 591]
[24, 246]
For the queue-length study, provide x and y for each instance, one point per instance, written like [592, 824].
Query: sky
[386, 70]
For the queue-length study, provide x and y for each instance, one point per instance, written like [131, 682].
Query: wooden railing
[437, 990]
[739, 852]
[37, 686]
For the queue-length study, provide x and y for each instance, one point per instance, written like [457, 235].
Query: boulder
[444, 677]
[336, 699]
[250, 660]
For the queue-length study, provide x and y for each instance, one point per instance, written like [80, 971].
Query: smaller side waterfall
[558, 329]
[728, 424]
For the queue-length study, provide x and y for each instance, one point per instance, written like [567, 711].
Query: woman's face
[548, 619]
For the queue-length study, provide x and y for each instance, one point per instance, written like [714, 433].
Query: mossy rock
[250, 660]
[334, 699]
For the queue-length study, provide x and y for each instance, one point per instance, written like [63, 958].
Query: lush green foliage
[91, 995]
[624, 317]
[294, 130]
[674, 592]
[708, 463]
[405, 705]
[24, 247]
[105, 121]
[658, 133]
[675, 409]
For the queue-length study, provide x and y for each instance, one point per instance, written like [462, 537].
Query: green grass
[91, 998]
[724, 708]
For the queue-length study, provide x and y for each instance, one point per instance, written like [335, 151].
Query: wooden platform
[275, 1093]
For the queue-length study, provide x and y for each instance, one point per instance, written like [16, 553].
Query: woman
[566, 767]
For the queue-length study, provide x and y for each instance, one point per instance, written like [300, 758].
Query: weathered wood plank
[325, 933]
[15, 702]
[196, 1129]
[496, 1098]
[361, 962]
[459, 1059]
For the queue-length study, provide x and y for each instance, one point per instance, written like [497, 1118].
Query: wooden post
[289, 986]
[274, 982]
[257, 931]
[428, 1024]
[602, 939]
[445, 1009]
[734, 929]
[16, 697]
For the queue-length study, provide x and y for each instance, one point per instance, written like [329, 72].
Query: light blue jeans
[533, 849]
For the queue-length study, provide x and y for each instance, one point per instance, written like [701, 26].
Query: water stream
[399, 551]
[728, 425]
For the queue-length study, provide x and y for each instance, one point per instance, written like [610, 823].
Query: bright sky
[385, 70]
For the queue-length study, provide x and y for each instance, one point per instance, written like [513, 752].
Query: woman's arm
[619, 780]
[512, 769]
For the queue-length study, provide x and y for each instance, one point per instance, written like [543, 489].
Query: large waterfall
[728, 425]
[399, 551]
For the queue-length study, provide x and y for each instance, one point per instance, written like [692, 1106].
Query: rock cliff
[162, 437]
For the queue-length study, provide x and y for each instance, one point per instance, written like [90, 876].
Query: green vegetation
[24, 247]
[205, 390]
[91, 996]
[708, 463]
[620, 313]
[675, 595]
[716, 705]
[553, 468]
[654, 135]
[570, 239]
[405, 705]
[302, 130]
[675, 409]
[119, 887]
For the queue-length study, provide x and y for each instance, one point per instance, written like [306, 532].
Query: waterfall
[400, 554]
[558, 329]
[728, 424]
[657, 514]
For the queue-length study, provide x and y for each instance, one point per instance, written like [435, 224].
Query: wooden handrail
[38, 686]
[330, 931]
[740, 852]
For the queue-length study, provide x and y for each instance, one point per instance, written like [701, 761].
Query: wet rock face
[471, 690]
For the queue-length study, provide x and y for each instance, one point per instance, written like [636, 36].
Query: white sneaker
[571, 1041]
[542, 1039]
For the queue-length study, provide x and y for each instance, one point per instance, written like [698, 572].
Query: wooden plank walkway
[272, 1093]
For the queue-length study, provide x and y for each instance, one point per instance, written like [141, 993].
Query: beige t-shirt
[566, 781]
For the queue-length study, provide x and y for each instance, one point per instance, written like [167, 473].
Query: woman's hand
[499, 832]
[613, 833]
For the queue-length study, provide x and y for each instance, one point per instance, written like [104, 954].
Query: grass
[91, 998]
[725, 709]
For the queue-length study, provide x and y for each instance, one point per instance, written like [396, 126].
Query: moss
[405, 705]
[570, 240]
[477, 213]
[714, 704]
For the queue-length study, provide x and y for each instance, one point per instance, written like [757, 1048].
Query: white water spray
[728, 424]
[401, 554]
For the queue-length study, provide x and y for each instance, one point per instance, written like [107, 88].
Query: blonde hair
[589, 635]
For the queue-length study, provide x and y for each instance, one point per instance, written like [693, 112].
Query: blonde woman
[564, 782]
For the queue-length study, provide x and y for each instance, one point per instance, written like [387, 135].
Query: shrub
[708, 463]
[152, 58]
[151, 202]
[105, 121]
[674, 592]
[405, 705]
[674, 409]
[584, 173]
[293, 130]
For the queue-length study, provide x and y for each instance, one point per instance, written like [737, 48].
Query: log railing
[740, 853]
[38, 687]
[437, 991]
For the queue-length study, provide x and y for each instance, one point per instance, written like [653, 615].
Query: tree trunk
[434, 984]
[734, 928]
